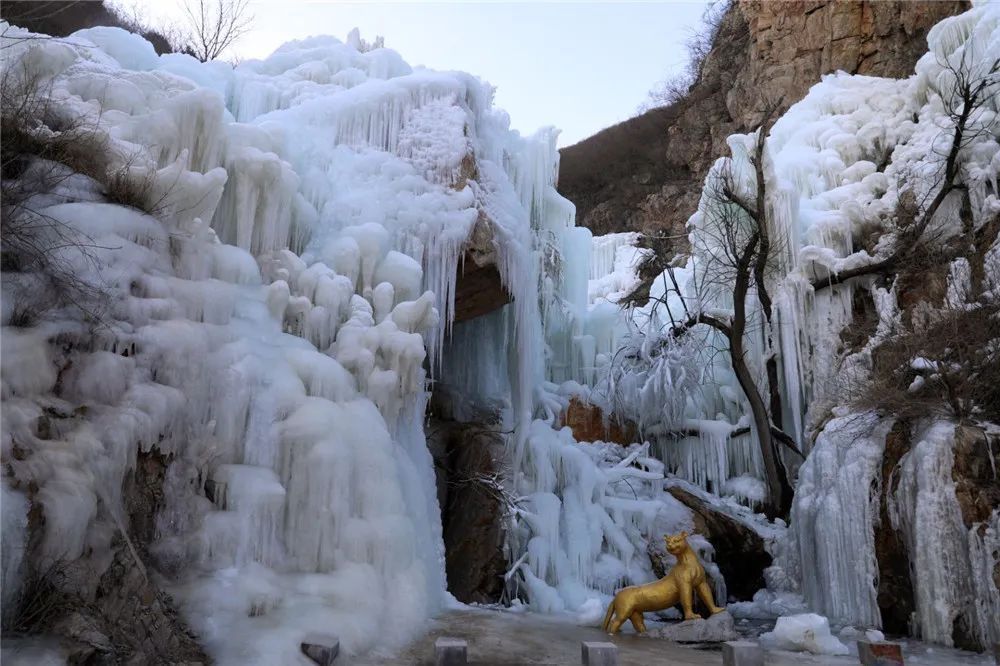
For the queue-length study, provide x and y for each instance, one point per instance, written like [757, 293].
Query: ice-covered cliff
[229, 319]
[227, 293]
[863, 230]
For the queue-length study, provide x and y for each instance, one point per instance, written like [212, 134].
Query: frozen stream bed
[509, 638]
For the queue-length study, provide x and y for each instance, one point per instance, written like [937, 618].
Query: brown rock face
[646, 174]
[895, 591]
[478, 291]
[588, 425]
[469, 465]
[478, 287]
[739, 551]
[976, 487]
[109, 613]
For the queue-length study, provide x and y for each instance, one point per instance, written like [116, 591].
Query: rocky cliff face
[645, 174]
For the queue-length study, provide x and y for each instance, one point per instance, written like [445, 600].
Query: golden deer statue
[677, 587]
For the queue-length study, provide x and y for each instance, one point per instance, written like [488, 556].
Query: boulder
[718, 628]
[739, 551]
[589, 424]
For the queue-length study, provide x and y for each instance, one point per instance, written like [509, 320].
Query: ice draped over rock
[271, 305]
[265, 327]
[276, 317]
[837, 164]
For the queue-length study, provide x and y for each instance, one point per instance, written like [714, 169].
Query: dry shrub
[135, 188]
[963, 380]
[32, 129]
[41, 148]
[698, 45]
[40, 600]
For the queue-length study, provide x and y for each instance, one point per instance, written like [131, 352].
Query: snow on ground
[807, 632]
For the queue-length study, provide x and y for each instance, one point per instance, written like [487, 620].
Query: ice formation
[835, 485]
[272, 298]
[837, 166]
[953, 561]
[266, 326]
[803, 633]
[280, 300]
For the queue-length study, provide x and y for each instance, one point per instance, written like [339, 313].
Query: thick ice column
[249, 524]
[948, 559]
[833, 518]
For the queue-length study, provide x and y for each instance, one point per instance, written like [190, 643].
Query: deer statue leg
[638, 622]
[687, 601]
[705, 594]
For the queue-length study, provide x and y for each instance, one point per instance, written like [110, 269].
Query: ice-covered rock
[718, 628]
[807, 632]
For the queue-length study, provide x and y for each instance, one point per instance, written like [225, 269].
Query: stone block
[716, 629]
[451, 652]
[742, 653]
[594, 653]
[880, 653]
[321, 648]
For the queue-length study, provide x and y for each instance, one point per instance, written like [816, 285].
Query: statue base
[718, 628]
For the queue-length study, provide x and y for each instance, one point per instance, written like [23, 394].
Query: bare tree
[738, 252]
[972, 86]
[214, 25]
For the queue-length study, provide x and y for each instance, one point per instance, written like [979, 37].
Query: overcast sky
[580, 66]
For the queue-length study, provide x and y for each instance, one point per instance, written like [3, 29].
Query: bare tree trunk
[777, 483]
[760, 269]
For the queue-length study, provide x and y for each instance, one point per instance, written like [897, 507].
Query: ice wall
[833, 540]
[838, 165]
[271, 303]
[276, 294]
[949, 560]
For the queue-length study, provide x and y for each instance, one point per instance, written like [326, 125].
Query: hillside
[645, 174]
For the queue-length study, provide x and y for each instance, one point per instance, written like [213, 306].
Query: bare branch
[215, 25]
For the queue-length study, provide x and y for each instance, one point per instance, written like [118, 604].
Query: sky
[580, 66]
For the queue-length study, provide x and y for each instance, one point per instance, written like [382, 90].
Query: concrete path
[499, 638]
